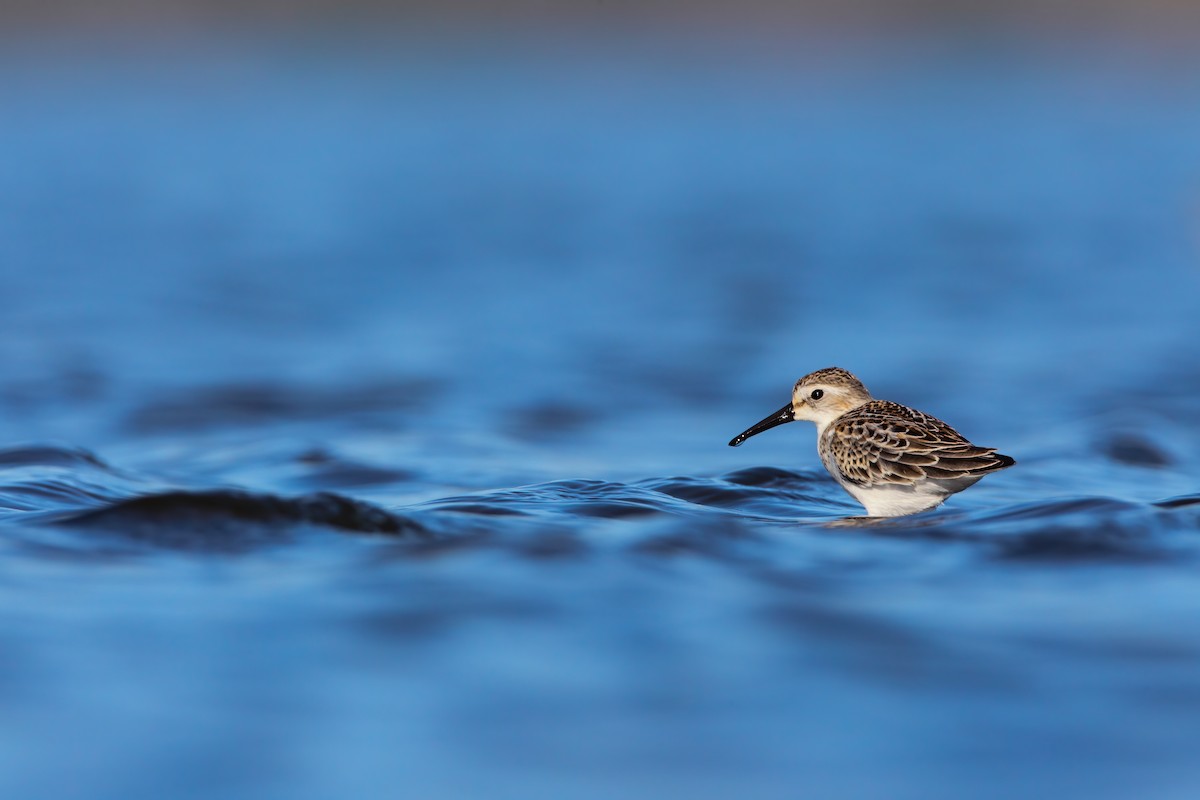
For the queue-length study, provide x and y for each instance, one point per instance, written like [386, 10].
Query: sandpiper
[893, 459]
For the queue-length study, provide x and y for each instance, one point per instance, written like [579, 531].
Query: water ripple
[714, 515]
[231, 520]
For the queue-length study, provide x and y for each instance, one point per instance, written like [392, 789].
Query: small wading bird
[893, 459]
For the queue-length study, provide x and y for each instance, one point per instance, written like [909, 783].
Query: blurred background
[505, 277]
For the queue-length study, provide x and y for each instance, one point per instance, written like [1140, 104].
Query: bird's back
[885, 443]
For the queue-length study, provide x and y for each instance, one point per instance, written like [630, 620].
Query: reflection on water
[365, 425]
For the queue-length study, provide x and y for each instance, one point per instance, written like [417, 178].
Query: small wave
[51, 456]
[1088, 529]
[223, 520]
[1103, 540]
[1184, 501]
[760, 493]
[570, 498]
[326, 470]
[77, 489]
[1058, 508]
[46, 480]
[764, 494]
[56, 494]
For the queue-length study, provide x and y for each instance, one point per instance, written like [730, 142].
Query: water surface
[364, 421]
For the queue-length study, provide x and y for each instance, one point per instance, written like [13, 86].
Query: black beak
[781, 416]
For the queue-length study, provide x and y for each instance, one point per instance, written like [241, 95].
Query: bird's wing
[887, 443]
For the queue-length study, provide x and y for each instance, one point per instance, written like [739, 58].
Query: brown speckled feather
[881, 442]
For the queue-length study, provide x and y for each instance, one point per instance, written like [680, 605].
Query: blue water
[364, 417]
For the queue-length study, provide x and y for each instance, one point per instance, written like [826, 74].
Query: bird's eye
[817, 394]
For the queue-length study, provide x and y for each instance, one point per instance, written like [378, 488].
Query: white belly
[894, 500]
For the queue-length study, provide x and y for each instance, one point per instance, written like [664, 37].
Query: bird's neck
[824, 421]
